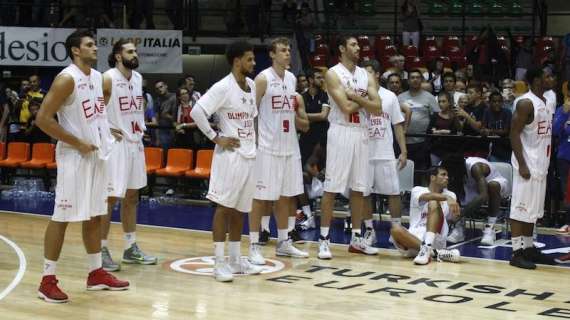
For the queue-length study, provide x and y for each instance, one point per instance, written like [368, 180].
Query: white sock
[49, 267]
[265, 223]
[307, 211]
[290, 223]
[397, 221]
[254, 237]
[517, 243]
[527, 242]
[95, 261]
[491, 221]
[234, 249]
[282, 235]
[219, 251]
[130, 239]
[105, 243]
[368, 224]
[429, 237]
[325, 232]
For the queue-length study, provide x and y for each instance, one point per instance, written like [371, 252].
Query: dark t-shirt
[482, 145]
[318, 130]
[502, 120]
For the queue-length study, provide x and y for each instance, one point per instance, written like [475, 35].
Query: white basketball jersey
[125, 108]
[418, 216]
[471, 161]
[235, 110]
[358, 81]
[277, 133]
[83, 114]
[380, 134]
[536, 137]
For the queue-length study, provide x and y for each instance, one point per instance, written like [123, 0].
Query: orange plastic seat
[153, 158]
[2, 150]
[42, 155]
[178, 162]
[18, 152]
[203, 165]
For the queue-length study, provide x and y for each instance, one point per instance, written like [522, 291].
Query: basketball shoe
[137, 256]
[359, 245]
[286, 248]
[324, 248]
[50, 292]
[108, 264]
[100, 279]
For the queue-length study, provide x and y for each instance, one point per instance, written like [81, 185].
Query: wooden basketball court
[348, 287]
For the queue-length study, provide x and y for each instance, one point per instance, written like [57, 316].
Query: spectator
[523, 60]
[460, 86]
[444, 123]
[397, 62]
[449, 87]
[166, 111]
[33, 134]
[561, 129]
[149, 138]
[34, 92]
[471, 118]
[394, 83]
[497, 122]
[141, 10]
[24, 88]
[412, 25]
[317, 108]
[507, 86]
[302, 83]
[422, 104]
[184, 123]
[469, 74]
[4, 118]
[14, 106]
[460, 75]
[426, 86]
[189, 84]
[435, 75]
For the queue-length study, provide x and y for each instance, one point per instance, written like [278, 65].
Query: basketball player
[122, 89]
[353, 95]
[278, 164]
[430, 208]
[382, 158]
[84, 143]
[531, 135]
[483, 184]
[232, 183]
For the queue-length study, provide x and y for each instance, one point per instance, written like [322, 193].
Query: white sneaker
[255, 255]
[456, 235]
[448, 255]
[286, 248]
[223, 272]
[324, 250]
[169, 192]
[243, 266]
[359, 245]
[489, 236]
[424, 256]
[370, 237]
[309, 223]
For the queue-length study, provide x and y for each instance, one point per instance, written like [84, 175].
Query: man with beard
[232, 183]
[122, 88]
[84, 145]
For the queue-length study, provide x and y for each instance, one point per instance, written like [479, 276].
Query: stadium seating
[203, 165]
[42, 155]
[178, 162]
[153, 157]
[18, 152]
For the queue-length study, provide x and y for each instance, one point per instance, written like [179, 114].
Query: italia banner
[33, 46]
[159, 51]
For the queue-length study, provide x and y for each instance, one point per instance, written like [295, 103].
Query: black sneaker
[536, 256]
[296, 237]
[264, 237]
[520, 261]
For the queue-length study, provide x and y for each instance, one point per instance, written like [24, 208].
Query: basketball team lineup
[400, 267]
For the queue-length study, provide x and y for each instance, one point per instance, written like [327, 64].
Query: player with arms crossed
[83, 148]
[232, 183]
[353, 95]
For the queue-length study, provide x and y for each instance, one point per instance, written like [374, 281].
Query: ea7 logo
[204, 266]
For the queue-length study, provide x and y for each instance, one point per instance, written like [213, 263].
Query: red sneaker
[102, 280]
[50, 292]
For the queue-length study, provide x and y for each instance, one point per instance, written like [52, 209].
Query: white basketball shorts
[127, 168]
[232, 183]
[81, 187]
[527, 202]
[347, 159]
[385, 177]
[277, 176]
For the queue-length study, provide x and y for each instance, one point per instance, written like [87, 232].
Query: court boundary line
[309, 241]
[21, 269]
